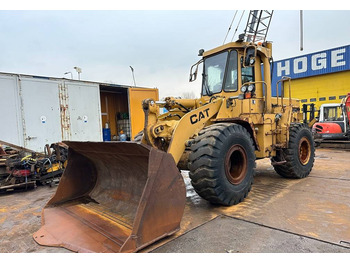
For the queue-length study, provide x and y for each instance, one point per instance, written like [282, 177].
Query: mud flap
[113, 197]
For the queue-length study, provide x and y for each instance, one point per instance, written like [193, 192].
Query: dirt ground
[310, 215]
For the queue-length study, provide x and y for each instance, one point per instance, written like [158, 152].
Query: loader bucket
[113, 197]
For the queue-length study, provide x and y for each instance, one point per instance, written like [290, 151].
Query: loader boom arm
[171, 135]
[191, 124]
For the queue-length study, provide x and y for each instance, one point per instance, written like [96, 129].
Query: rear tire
[299, 155]
[222, 163]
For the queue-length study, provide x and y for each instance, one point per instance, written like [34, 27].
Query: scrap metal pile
[24, 169]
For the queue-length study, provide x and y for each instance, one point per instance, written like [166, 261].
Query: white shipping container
[38, 111]
[85, 112]
[9, 101]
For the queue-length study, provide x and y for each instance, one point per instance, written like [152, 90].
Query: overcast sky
[161, 46]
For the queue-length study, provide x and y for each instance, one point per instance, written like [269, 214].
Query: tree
[188, 95]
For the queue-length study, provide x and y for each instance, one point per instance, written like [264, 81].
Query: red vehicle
[333, 121]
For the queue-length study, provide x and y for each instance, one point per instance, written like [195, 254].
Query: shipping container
[42, 110]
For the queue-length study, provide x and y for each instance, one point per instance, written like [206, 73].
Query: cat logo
[196, 118]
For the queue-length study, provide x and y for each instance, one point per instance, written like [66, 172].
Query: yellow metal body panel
[136, 96]
[266, 51]
[189, 125]
[268, 133]
[264, 139]
[321, 86]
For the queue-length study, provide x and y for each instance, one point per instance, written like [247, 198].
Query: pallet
[28, 185]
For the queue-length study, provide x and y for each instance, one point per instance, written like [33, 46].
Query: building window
[322, 99]
[312, 99]
[341, 97]
[303, 100]
[332, 97]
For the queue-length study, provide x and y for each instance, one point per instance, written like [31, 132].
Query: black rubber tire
[208, 166]
[296, 166]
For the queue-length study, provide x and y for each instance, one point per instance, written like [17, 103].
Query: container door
[84, 111]
[40, 113]
[11, 124]
[137, 117]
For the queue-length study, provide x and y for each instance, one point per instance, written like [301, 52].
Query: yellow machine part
[54, 167]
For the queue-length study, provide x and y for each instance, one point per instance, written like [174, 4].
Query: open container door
[137, 117]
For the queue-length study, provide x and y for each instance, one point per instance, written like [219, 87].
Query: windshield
[333, 113]
[213, 76]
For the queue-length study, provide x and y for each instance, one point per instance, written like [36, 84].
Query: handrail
[282, 80]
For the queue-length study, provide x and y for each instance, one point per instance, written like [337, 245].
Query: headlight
[244, 88]
[250, 88]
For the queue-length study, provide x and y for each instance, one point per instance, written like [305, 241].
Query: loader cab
[221, 73]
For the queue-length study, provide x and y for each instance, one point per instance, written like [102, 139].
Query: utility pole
[301, 31]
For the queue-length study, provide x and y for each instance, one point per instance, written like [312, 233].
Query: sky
[160, 45]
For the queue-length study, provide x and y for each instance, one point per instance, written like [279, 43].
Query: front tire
[222, 163]
[299, 156]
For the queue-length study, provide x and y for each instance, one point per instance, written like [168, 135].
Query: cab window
[333, 114]
[247, 74]
[213, 75]
[231, 84]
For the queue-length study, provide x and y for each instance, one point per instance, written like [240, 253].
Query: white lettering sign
[338, 57]
[314, 62]
[300, 65]
[319, 61]
[284, 68]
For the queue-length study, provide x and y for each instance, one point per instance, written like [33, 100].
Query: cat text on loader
[120, 197]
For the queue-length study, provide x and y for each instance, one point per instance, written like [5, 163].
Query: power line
[228, 31]
[238, 25]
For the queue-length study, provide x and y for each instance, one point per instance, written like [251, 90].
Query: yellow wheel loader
[123, 196]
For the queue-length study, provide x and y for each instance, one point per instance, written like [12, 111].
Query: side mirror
[249, 56]
[194, 71]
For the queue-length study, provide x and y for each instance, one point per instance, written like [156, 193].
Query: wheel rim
[304, 151]
[236, 164]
